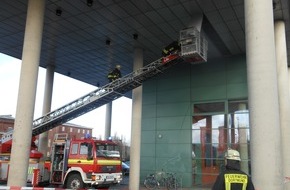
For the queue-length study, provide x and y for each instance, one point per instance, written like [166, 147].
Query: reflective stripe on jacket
[233, 179]
[239, 179]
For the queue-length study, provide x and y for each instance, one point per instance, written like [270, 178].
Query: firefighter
[232, 178]
[115, 74]
[172, 48]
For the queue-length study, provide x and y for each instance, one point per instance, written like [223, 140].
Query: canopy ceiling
[85, 42]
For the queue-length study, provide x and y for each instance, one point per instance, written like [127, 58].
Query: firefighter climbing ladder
[98, 98]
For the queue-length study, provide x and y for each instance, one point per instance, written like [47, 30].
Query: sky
[65, 90]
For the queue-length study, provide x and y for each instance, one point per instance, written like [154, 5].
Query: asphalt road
[123, 185]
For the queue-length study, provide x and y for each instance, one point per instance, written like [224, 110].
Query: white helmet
[118, 66]
[232, 155]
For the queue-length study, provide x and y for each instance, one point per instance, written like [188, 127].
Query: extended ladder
[99, 97]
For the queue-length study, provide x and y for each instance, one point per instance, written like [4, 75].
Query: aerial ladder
[99, 97]
[193, 48]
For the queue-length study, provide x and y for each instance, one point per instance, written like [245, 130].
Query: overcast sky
[65, 90]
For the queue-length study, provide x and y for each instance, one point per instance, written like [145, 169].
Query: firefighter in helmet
[233, 178]
[115, 74]
[172, 48]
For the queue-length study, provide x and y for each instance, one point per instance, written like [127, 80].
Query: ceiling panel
[206, 6]
[179, 11]
[143, 6]
[221, 4]
[233, 25]
[214, 17]
[228, 14]
[156, 4]
[130, 7]
[117, 10]
[239, 10]
[237, 2]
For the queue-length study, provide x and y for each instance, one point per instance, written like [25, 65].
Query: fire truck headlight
[96, 177]
[119, 177]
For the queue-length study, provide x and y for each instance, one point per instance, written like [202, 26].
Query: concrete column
[243, 138]
[134, 180]
[283, 90]
[26, 95]
[43, 137]
[289, 80]
[108, 121]
[266, 150]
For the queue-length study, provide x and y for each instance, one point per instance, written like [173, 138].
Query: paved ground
[124, 185]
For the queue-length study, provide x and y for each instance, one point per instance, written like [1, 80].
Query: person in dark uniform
[172, 48]
[115, 74]
[232, 178]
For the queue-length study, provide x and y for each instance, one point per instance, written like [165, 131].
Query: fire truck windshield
[108, 151]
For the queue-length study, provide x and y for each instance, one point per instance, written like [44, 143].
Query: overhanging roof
[75, 42]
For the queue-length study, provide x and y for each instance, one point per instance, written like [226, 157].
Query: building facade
[6, 123]
[73, 131]
[191, 115]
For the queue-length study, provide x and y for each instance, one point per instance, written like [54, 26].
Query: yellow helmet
[232, 154]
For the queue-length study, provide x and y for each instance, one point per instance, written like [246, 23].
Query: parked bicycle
[162, 180]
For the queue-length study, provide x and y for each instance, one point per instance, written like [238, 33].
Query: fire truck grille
[109, 169]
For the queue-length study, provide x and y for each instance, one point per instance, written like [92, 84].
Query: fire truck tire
[74, 181]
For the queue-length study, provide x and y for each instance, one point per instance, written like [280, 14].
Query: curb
[35, 188]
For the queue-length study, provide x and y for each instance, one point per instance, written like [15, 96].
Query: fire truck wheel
[75, 181]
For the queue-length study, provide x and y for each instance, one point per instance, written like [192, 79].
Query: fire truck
[73, 164]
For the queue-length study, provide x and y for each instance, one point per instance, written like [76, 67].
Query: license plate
[110, 177]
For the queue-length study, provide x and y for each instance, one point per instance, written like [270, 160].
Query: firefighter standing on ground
[115, 74]
[232, 178]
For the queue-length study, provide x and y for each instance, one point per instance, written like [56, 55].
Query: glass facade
[217, 126]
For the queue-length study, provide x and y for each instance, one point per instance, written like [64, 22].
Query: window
[108, 151]
[74, 149]
[84, 148]
[63, 128]
[206, 132]
[5, 157]
[215, 127]
[71, 130]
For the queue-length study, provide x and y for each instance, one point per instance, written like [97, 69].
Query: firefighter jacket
[115, 74]
[232, 178]
[171, 48]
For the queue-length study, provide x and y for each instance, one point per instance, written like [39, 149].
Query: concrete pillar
[108, 121]
[134, 180]
[43, 137]
[266, 150]
[26, 95]
[243, 138]
[289, 80]
[283, 91]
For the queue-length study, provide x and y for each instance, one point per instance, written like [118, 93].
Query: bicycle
[162, 179]
[173, 182]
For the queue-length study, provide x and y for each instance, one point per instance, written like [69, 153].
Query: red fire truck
[74, 164]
